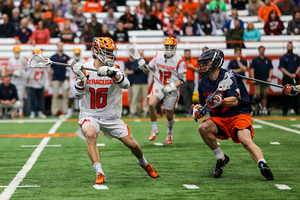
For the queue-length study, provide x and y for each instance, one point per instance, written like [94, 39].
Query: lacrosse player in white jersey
[72, 80]
[171, 70]
[19, 65]
[101, 104]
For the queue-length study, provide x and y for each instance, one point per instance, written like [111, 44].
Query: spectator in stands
[36, 15]
[8, 98]
[286, 7]
[264, 11]
[202, 9]
[150, 21]
[38, 84]
[15, 19]
[138, 86]
[205, 27]
[72, 7]
[104, 32]
[251, 34]
[204, 49]
[129, 20]
[261, 68]
[212, 5]
[239, 4]
[189, 28]
[289, 64]
[238, 65]
[51, 25]
[111, 20]
[231, 23]
[92, 6]
[171, 30]
[166, 5]
[110, 4]
[235, 34]
[80, 19]
[159, 13]
[141, 10]
[41, 35]
[87, 36]
[94, 24]
[121, 34]
[57, 78]
[23, 34]
[8, 7]
[219, 17]
[189, 7]
[73, 25]
[187, 89]
[254, 6]
[178, 17]
[59, 5]
[26, 12]
[172, 9]
[59, 19]
[7, 29]
[294, 25]
[67, 35]
[274, 25]
[51, 9]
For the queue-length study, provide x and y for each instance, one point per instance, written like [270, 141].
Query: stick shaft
[67, 65]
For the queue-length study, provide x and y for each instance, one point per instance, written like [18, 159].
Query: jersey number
[163, 76]
[99, 98]
[38, 76]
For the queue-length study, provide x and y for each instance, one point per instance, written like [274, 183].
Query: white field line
[55, 145]
[29, 121]
[276, 126]
[11, 188]
[22, 186]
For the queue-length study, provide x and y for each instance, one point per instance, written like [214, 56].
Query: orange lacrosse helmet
[105, 49]
[17, 49]
[38, 51]
[77, 51]
[170, 46]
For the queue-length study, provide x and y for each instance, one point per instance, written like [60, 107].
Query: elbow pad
[123, 82]
[182, 78]
[78, 91]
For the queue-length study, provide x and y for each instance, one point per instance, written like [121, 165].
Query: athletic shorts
[261, 89]
[20, 91]
[169, 100]
[229, 126]
[112, 128]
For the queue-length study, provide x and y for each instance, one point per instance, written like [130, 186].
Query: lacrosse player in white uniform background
[170, 68]
[18, 66]
[101, 104]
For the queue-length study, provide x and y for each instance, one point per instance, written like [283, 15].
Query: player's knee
[135, 145]
[169, 116]
[203, 129]
[245, 142]
[91, 136]
[152, 106]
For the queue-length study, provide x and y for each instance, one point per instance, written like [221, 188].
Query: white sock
[21, 111]
[263, 160]
[70, 110]
[170, 126]
[154, 125]
[98, 167]
[219, 153]
[264, 108]
[142, 161]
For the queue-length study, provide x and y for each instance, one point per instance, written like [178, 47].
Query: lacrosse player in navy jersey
[230, 112]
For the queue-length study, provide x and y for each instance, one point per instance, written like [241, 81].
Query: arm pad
[182, 78]
[78, 91]
[123, 82]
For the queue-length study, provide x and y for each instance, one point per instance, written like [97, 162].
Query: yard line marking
[55, 145]
[176, 120]
[100, 145]
[282, 187]
[190, 186]
[137, 120]
[22, 186]
[11, 188]
[296, 125]
[218, 143]
[293, 119]
[276, 126]
[274, 143]
[158, 144]
[256, 126]
[100, 187]
[29, 121]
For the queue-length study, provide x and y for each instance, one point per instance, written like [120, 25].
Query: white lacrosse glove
[107, 71]
[142, 65]
[77, 69]
[17, 73]
[169, 88]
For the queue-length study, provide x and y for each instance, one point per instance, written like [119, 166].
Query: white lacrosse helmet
[170, 46]
[105, 49]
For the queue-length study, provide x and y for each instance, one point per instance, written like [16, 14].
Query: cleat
[13, 116]
[150, 171]
[266, 171]
[41, 115]
[101, 178]
[153, 134]
[21, 116]
[169, 138]
[219, 166]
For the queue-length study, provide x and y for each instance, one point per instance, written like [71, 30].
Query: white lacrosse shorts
[112, 128]
[170, 100]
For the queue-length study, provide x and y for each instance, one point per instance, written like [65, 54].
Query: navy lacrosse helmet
[210, 60]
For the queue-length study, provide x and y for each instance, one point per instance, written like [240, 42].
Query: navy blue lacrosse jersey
[237, 90]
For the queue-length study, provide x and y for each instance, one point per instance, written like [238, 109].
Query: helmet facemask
[170, 50]
[107, 56]
[205, 67]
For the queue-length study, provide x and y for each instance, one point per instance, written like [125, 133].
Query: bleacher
[151, 41]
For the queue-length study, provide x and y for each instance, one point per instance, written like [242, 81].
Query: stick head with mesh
[37, 61]
[226, 82]
[132, 51]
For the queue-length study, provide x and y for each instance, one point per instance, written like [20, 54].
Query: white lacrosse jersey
[102, 96]
[21, 65]
[38, 77]
[167, 69]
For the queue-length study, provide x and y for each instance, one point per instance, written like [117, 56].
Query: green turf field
[65, 172]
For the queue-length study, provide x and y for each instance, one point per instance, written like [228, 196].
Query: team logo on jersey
[165, 66]
[99, 81]
[10, 91]
[266, 62]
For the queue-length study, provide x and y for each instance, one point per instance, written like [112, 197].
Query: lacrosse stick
[37, 61]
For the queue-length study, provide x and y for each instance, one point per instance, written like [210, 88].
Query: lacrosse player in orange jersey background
[101, 104]
[171, 70]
